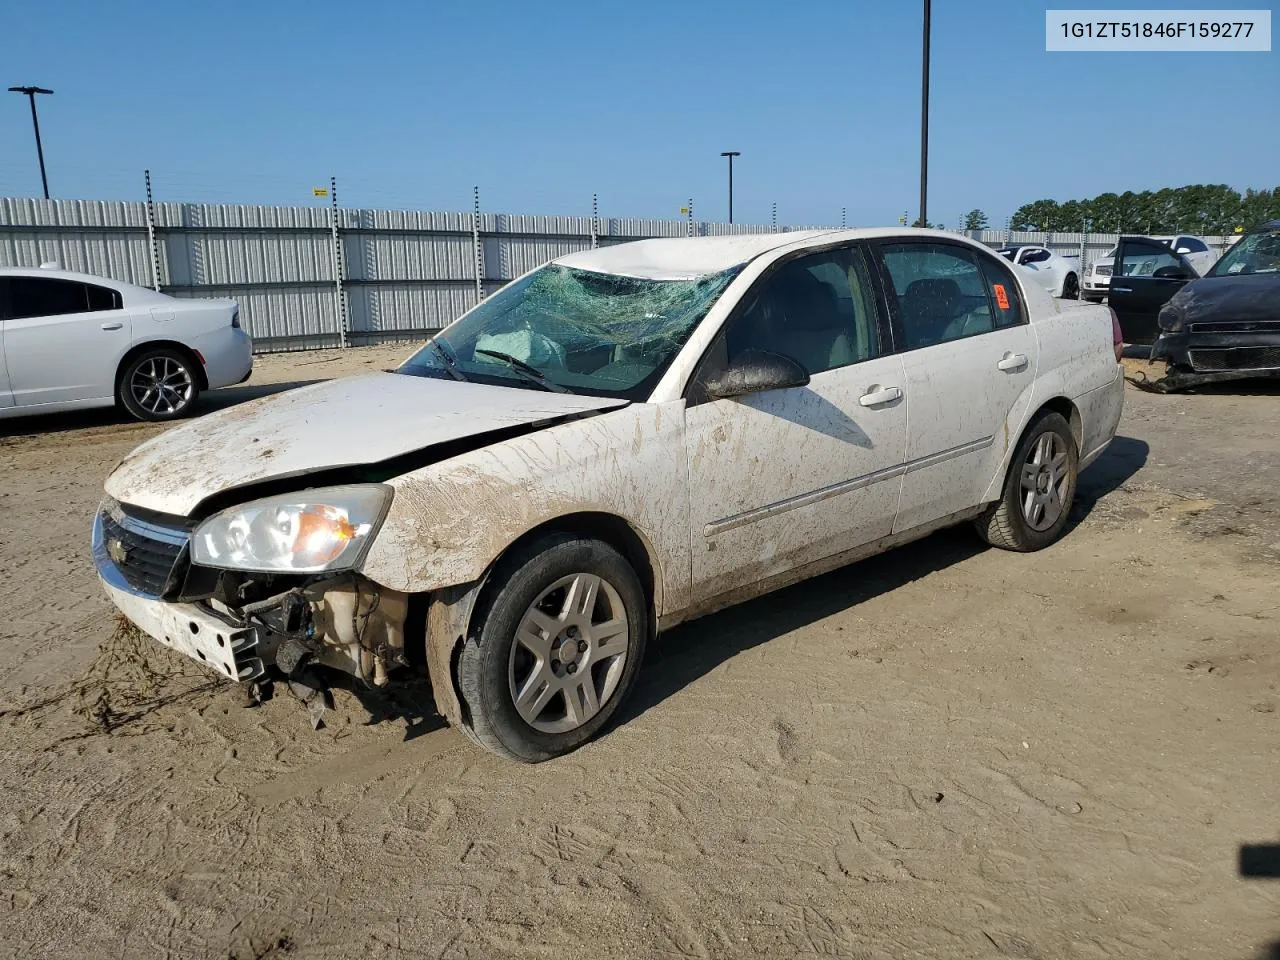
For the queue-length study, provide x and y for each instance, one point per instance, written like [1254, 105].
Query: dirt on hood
[343, 423]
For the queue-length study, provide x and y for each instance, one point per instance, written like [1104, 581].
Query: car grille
[1235, 326]
[1236, 358]
[1101, 271]
[147, 551]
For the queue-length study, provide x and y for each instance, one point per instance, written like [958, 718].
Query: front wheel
[159, 385]
[1071, 287]
[557, 649]
[1033, 508]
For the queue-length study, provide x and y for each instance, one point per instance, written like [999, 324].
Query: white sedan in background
[617, 441]
[73, 340]
[1058, 274]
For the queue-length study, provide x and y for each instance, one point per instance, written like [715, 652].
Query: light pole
[35, 122]
[731, 154]
[924, 124]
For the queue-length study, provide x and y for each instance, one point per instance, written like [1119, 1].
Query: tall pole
[151, 234]
[924, 123]
[731, 154]
[35, 123]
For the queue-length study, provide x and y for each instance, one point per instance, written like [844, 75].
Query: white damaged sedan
[618, 441]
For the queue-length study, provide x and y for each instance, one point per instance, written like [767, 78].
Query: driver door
[1145, 276]
[782, 478]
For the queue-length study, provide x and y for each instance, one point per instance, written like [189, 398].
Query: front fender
[451, 520]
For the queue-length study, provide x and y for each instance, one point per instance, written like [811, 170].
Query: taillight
[235, 319]
[1117, 338]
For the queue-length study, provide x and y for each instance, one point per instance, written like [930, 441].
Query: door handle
[1012, 361]
[1122, 289]
[113, 325]
[877, 397]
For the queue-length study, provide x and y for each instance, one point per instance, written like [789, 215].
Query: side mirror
[1172, 273]
[754, 371]
[1183, 250]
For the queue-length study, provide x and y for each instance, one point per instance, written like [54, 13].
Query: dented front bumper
[228, 647]
[341, 621]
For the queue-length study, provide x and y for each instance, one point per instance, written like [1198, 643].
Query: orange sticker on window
[1002, 298]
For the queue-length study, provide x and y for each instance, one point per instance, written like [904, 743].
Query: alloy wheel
[569, 653]
[1045, 479]
[161, 385]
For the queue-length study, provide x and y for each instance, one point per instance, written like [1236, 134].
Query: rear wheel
[1034, 506]
[1071, 287]
[159, 384]
[557, 649]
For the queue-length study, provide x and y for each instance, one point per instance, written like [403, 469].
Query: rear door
[1145, 275]
[970, 359]
[63, 339]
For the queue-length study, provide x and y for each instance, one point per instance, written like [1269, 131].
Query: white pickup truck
[619, 440]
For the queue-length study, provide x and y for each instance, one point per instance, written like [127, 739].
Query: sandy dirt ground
[947, 751]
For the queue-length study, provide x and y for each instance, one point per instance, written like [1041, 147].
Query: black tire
[484, 679]
[1071, 287]
[1004, 524]
[178, 385]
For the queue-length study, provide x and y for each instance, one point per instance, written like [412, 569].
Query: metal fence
[310, 277]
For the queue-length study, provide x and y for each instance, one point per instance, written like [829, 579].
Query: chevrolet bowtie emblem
[117, 551]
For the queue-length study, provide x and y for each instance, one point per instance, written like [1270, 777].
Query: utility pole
[731, 154]
[924, 123]
[35, 122]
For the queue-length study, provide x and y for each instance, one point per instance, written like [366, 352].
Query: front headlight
[1170, 319]
[309, 532]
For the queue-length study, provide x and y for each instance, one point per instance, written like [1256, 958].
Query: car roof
[135, 292]
[687, 258]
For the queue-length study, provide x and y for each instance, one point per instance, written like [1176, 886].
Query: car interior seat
[804, 321]
[928, 308]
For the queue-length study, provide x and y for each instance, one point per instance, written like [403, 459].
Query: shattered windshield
[1253, 253]
[574, 330]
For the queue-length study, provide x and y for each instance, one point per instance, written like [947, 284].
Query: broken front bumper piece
[344, 621]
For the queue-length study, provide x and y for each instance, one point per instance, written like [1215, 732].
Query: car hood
[352, 422]
[1253, 296]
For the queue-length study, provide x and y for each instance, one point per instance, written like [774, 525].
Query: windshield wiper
[532, 374]
[447, 357]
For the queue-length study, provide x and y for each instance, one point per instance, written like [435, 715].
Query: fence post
[1084, 250]
[151, 235]
[339, 294]
[689, 228]
[477, 247]
[595, 221]
[774, 220]
[842, 217]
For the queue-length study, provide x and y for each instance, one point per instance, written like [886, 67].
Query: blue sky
[541, 104]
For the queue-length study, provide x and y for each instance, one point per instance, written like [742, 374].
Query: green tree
[1035, 216]
[975, 219]
[1206, 208]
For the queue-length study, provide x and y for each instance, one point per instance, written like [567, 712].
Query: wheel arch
[446, 617]
[1069, 411]
[1058, 404]
[135, 351]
